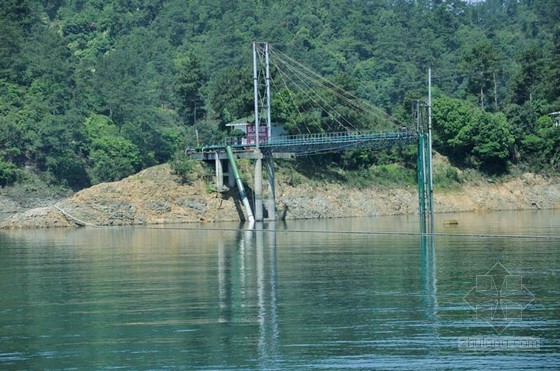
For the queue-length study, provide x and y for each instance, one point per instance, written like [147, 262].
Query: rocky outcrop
[154, 196]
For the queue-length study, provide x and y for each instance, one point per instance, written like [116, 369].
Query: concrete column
[271, 206]
[219, 172]
[231, 176]
[258, 186]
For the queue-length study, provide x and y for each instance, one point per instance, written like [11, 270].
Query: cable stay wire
[322, 81]
[330, 109]
[290, 92]
[291, 95]
[349, 102]
[440, 75]
[302, 77]
[307, 90]
[341, 93]
[307, 87]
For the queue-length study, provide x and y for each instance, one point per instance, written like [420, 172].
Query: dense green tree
[58, 148]
[553, 91]
[113, 158]
[472, 136]
[156, 140]
[8, 173]
[11, 123]
[188, 83]
[142, 66]
[297, 112]
[546, 143]
[231, 95]
[482, 65]
[451, 119]
[11, 40]
[491, 141]
[17, 19]
[526, 85]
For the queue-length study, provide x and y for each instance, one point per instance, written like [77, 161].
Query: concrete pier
[262, 201]
[240, 187]
[258, 186]
[219, 172]
[271, 205]
[230, 176]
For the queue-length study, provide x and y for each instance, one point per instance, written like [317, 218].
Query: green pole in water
[421, 179]
[242, 192]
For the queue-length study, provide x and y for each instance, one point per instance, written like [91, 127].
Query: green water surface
[345, 293]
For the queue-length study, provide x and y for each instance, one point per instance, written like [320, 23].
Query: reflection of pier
[248, 286]
[249, 303]
[429, 282]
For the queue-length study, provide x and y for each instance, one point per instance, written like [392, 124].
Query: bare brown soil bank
[154, 196]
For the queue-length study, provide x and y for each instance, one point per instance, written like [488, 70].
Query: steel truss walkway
[306, 144]
[269, 147]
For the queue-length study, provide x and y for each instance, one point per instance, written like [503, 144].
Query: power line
[367, 233]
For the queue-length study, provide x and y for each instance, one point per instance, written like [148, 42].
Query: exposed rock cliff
[154, 196]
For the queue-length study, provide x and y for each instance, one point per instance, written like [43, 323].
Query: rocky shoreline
[154, 196]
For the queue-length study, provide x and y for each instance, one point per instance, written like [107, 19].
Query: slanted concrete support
[240, 187]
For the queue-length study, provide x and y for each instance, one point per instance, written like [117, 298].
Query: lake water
[344, 293]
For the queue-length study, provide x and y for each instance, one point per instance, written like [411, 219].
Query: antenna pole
[430, 166]
[256, 94]
[268, 119]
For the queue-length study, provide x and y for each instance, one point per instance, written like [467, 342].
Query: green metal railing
[320, 142]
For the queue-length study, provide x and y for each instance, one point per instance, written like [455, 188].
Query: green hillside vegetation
[96, 90]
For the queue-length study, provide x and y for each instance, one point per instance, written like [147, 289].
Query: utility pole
[268, 118]
[258, 155]
[495, 93]
[424, 163]
[256, 94]
[482, 91]
[194, 114]
[430, 166]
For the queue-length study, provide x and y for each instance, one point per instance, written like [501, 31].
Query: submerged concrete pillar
[219, 172]
[258, 186]
[271, 206]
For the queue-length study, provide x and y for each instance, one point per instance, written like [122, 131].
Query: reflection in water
[429, 282]
[241, 290]
[267, 296]
[308, 294]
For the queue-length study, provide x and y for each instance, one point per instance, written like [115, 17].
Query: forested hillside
[95, 90]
